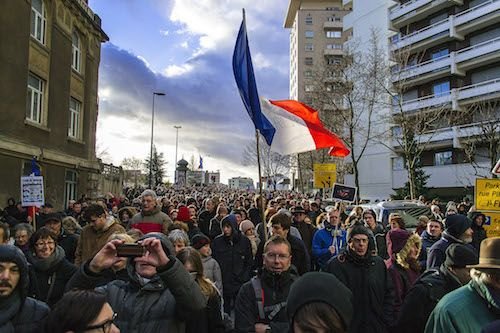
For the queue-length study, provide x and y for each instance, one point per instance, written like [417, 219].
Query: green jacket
[466, 309]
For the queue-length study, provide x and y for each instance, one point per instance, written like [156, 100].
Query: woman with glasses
[82, 311]
[49, 269]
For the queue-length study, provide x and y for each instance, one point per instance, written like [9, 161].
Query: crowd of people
[217, 260]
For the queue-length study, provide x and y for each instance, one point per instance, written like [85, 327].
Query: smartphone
[130, 250]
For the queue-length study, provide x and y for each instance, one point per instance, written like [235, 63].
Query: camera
[130, 250]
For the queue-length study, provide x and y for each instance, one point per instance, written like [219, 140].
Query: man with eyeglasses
[18, 313]
[261, 302]
[367, 278]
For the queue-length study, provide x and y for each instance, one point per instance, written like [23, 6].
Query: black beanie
[459, 255]
[321, 287]
[358, 230]
[199, 240]
[456, 224]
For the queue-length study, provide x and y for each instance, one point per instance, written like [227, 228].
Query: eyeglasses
[277, 256]
[42, 244]
[105, 327]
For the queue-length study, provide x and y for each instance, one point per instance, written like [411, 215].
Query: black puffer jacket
[423, 297]
[234, 255]
[160, 305]
[275, 288]
[19, 313]
[50, 276]
[69, 243]
[371, 286]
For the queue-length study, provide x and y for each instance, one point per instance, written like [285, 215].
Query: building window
[441, 88]
[38, 20]
[333, 34]
[309, 34]
[307, 73]
[309, 47]
[334, 46]
[74, 118]
[34, 107]
[443, 158]
[70, 186]
[308, 61]
[309, 20]
[333, 19]
[398, 163]
[309, 87]
[76, 52]
[439, 54]
[333, 61]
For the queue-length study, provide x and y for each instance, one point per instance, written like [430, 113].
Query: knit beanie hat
[459, 255]
[246, 225]
[321, 287]
[183, 214]
[199, 240]
[358, 230]
[457, 224]
[398, 238]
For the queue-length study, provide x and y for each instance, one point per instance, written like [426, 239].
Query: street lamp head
[159, 93]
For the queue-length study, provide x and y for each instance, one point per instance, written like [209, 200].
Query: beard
[466, 239]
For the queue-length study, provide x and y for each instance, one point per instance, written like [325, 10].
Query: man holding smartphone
[160, 293]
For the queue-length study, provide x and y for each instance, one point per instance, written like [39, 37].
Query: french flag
[289, 127]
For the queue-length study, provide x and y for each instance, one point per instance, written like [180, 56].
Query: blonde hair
[121, 236]
[402, 256]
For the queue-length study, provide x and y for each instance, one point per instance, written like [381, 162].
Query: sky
[184, 48]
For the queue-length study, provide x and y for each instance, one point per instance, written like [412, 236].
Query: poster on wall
[32, 191]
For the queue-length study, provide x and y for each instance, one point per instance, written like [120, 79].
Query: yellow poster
[487, 194]
[492, 224]
[325, 175]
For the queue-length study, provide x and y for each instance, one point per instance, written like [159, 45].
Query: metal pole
[261, 205]
[151, 146]
[176, 146]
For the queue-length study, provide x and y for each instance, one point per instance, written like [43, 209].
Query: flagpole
[261, 204]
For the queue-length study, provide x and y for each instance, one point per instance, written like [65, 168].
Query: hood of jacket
[167, 247]
[232, 222]
[11, 253]
[473, 216]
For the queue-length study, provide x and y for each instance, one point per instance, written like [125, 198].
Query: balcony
[334, 51]
[455, 98]
[453, 27]
[452, 175]
[455, 63]
[333, 24]
[416, 10]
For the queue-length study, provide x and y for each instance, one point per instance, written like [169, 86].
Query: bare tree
[346, 92]
[272, 163]
[415, 125]
[137, 166]
[482, 135]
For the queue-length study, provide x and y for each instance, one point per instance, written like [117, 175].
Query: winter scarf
[45, 264]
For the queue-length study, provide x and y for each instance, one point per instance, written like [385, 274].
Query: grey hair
[484, 276]
[24, 226]
[149, 193]
[178, 235]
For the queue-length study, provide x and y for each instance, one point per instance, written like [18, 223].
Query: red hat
[183, 215]
[398, 238]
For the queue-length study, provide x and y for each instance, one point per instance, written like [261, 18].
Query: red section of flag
[322, 137]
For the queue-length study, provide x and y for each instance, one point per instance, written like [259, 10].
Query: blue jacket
[322, 240]
[437, 253]
[427, 242]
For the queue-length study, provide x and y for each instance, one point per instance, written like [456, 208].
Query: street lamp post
[151, 147]
[176, 146]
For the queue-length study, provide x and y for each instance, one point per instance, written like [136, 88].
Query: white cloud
[144, 61]
[260, 61]
[185, 45]
[176, 70]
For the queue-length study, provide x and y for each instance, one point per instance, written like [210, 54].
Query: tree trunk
[356, 177]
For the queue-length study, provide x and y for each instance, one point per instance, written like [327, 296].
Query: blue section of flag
[245, 80]
[35, 168]
[201, 163]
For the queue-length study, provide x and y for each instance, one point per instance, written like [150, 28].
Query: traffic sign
[492, 224]
[325, 175]
[496, 169]
[487, 194]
